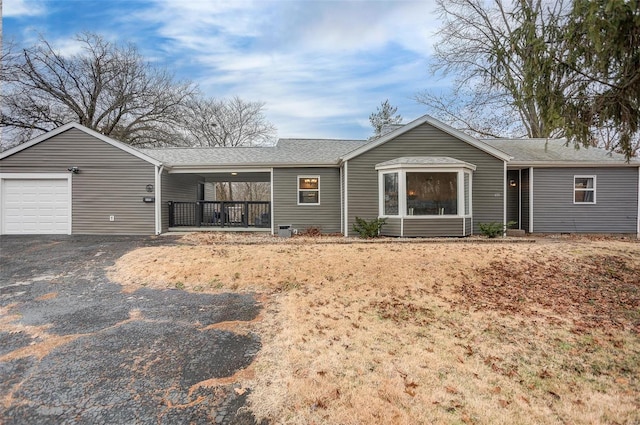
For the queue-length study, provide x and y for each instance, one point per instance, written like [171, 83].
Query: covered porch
[206, 204]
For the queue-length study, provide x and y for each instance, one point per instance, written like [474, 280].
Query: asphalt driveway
[75, 349]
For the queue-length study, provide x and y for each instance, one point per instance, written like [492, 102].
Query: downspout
[158, 204]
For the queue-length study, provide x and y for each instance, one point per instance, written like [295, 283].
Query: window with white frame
[584, 189]
[308, 190]
[390, 194]
[411, 190]
[432, 193]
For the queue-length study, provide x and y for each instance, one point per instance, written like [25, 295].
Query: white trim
[273, 219]
[341, 177]
[86, 130]
[381, 192]
[571, 164]
[530, 199]
[505, 185]
[304, 176]
[461, 164]
[520, 199]
[158, 194]
[346, 199]
[426, 119]
[38, 176]
[460, 172]
[593, 189]
[243, 167]
[206, 170]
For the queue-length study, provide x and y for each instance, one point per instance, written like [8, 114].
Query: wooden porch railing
[220, 214]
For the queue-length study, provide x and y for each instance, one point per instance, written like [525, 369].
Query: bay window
[426, 187]
[431, 193]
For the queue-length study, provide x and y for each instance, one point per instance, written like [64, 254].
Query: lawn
[533, 332]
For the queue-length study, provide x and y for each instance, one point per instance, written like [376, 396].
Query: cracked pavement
[76, 349]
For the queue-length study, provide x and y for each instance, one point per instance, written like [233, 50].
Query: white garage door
[35, 206]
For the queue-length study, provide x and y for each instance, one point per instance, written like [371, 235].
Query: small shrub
[311, 232]
[368, 229]
[494, 229]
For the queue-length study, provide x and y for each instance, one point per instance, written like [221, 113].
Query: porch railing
[220, 214]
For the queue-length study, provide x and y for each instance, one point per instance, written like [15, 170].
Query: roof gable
[84, 129]
[427, 119]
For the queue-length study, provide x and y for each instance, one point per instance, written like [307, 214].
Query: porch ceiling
[236, 176]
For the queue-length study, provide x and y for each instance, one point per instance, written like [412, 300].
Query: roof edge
[68, 126]
[427, 119]
[573, 164]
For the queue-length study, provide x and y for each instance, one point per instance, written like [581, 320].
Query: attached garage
[73, 180]
[36, 204]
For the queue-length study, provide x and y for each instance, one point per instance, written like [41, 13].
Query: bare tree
[230, 122]
[227, 123]
[106, 87]
[501, 57]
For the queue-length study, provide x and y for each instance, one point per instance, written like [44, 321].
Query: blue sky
[321, 67]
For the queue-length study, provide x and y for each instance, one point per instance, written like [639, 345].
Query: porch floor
[184, 229]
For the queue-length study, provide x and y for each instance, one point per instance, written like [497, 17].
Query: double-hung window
[584, 189]
[390, 194]
[308, 190]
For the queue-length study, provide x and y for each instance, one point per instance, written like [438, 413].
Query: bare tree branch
[106, 87]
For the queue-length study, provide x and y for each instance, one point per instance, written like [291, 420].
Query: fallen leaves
[595, 291]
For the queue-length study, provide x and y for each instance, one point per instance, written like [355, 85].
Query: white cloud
[19, 8]
[313, 62]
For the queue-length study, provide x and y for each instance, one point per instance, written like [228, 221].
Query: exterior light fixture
[74, 169]
[234, 174]
[512, 183]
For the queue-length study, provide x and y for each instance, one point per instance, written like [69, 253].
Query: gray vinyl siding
[467, 201]
[392, 227]
[433, 227]
[286, 210]
[425, 140]
[467, 227]
[524, 205]
[513, 198]
[111, 182]
[615, 211]
[177, 187]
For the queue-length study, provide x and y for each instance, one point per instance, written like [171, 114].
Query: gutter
[569, 164]
[257, 168]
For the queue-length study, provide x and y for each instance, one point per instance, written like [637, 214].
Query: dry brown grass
[408, 333]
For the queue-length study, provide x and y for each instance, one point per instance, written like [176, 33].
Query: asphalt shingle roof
[291, 152]
[286, 152]
[552, 150]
